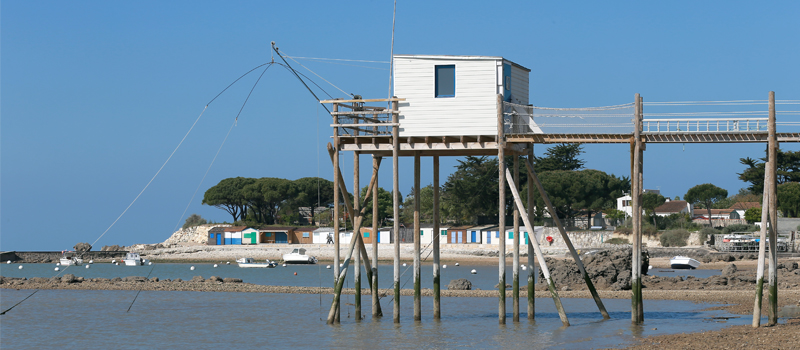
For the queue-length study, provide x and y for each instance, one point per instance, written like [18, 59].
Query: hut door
[219, 239]
[474, 240]
[489, 237]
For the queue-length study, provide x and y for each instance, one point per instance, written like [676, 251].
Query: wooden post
[396, 208]
[542, 263]
[773, 215]
[337, 290]
[437, 307]
[376, 304]
[640, 304]
[417, 237]
[357, 231]
[762, 247]
[501, 212]
[532, 177]
[531, 237]
[515, 267]
[636, 259]
[336, 180]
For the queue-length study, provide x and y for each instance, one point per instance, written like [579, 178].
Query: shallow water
[69, 319]
[307, 275]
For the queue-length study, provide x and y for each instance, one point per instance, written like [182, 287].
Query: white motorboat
[683, 262]
[250, 262]
[133, 259]
[299, 256]
[70, 259]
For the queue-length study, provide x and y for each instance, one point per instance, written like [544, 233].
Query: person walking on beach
[330, 239]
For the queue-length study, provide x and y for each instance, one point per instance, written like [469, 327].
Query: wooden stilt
[357, 231]
[337, 178]
[437, 307]
[534, 179]
[542, 263]
[636, 259]
[376, 303]
[531, 237]
[515, 267]
[337, 290]
[396, 208]
[640, 304]
[762, 247]
[501, 213]
[772, 309]
[417, 237]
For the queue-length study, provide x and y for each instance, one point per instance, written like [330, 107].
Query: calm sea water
[67, 319]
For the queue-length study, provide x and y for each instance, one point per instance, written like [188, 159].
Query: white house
[674, 207]
[320, 235]
[625, 202]
[455, 95]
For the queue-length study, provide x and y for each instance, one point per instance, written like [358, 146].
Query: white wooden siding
[472, 111]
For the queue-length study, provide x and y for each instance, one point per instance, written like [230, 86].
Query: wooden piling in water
[533, 178]
[515, 266]
[437, 306]
[501, 215]
[636, 255]
[531, 237]
[376, 303]
[336, 180]
[542, 263]
[357, 231]
[417, 237]
[396, 207]
[772, 309]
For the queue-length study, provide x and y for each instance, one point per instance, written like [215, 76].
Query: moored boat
[70, 259]
[683, 262]
[299, 256]
[133, 259]
[250, 262]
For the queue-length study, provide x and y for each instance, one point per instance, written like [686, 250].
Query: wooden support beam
[539, 255]
[336, 237]
[636, 198]
[337, 290]
[772, 308]
[396, 209]
[501, 284]
[417, 237]
[515, 267]
[437, 308]
[762, 247]
[531, 237]
[357, 232]
[376, 303]
[533, 178]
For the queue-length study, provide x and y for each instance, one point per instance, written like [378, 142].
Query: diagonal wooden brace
[575, 256]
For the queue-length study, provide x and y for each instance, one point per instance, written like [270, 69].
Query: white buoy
[8, 262]
[116, 263]
[228, 263]
[328, 267]
[91, 261]
[58, 264]
[191, 268]
[456, 264]
[20, 267]
[113, 261]
[404, 264]
[284, 265]
[87, 266]
[650, 267]
[473, 271]
[524, 267]
[215, 265]
[149, 263]
[444, 266]
[57, 269]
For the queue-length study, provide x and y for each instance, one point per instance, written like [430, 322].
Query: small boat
[70, 259]
[298, 256]
[250, 262]
[133, 259]
[683, 262]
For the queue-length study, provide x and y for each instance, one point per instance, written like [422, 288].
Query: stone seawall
[53, 257]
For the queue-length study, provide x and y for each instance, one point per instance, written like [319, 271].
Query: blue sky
[95, 95]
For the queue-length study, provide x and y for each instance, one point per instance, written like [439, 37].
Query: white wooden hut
[455, 95]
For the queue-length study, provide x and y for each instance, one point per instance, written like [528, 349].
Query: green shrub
[624, 230]
[194, 220]
[617, 240]
[674, 238]
[739, 228]
[649, 231]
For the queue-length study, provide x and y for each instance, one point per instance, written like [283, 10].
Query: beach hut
[216, 236]
[275, 234]
[250, 236]
[233, 234]
[320, 235]
[426, 234]
[303, 235]
[457, 234]
[475, 233]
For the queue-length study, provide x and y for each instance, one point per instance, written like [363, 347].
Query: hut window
[511, 235]
[446, 81]
[421, 232]
[444, 233]
[305, 234]
[366, 234]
